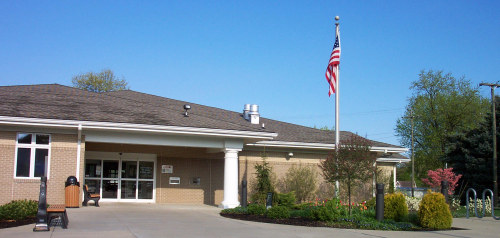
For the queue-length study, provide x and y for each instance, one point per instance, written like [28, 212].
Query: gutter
[320, 146]
[24, 121]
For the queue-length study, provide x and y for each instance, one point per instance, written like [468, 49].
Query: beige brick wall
[210, 172]
[280, 164]
[63, 152]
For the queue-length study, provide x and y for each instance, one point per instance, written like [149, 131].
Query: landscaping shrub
[286, 199]
[305, 213]
[336, 208]
[395, 206]
[434, 212]
[263, 184]
[302, 180]
[278, 212]
[256, 209]
[236, 210]
[18, 210]
[371, 203]
[412, 203]
[322, 214]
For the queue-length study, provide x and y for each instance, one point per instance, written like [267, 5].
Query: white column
[230, 179]
[394, 178]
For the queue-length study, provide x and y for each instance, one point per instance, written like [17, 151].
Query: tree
[470, 154]
[441, 106]
[302, 180]
[104, 81]
[351, 163]
[435, 178]
[264, 182]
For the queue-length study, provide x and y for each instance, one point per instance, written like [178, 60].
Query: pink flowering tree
[435, 178]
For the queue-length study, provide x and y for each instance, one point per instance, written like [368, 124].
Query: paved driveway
[154, 220]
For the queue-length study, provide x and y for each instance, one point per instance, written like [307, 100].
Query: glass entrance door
[126, 179]
[110, 179]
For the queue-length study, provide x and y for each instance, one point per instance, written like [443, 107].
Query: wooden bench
[89, 196]
[57, 211]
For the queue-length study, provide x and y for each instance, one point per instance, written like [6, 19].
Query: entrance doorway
[121, 176]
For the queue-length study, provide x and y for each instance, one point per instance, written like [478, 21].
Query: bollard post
[444, 189]
[244, 193]
[41, 215]
[269, 200]
[379, 202]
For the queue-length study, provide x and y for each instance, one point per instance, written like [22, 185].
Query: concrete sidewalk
[155, 220]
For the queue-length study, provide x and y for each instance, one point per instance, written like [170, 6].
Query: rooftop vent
[254, 114]
[186, 108]
[246, 110]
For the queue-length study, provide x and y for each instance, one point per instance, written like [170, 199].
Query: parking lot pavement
[122, 220]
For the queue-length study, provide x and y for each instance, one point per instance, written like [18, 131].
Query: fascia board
[135, 127]
[321, 146]
[393, 160]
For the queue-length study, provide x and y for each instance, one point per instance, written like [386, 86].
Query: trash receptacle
[72, 192]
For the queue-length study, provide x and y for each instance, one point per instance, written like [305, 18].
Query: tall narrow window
[32, 156]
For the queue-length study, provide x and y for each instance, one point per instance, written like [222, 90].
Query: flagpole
[337, 134]
[337, 128]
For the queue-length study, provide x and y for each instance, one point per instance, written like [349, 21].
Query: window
[32, 157]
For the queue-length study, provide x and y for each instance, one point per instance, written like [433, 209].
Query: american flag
[333, 66]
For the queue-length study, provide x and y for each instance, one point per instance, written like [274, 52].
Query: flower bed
[328, 213]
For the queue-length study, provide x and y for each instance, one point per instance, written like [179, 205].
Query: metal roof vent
[254, 114]
[246, 110]
[186, 108]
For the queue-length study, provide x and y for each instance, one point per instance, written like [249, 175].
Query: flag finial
[337, 18]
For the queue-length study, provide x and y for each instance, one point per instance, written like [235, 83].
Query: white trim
[78, 152]
[135, 127]
[320, 146]
[393, 160]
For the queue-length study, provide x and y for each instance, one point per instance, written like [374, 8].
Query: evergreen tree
[470, 154]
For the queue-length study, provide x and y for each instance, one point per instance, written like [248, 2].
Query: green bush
[336, 208]
[434, 212]
[264, 183]
[286, 199]
[302, 180]
[395, 207]
[371, 203]
[236, 210]
[256, 209]
[322, 214]
[18, 210]
[305, 213]
[278, 212]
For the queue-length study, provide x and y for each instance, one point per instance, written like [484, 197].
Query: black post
[379, 202]
[444, 189]
[41, 215]
[269, 200]
[244, 193]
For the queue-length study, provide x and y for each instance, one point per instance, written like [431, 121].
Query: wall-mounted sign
[174, 180]
[167, 169]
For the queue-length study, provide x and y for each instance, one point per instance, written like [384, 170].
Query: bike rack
[484, 203]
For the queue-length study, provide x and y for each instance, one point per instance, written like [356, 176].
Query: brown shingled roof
[54, 101]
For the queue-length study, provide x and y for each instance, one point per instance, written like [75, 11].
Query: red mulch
[14, 223]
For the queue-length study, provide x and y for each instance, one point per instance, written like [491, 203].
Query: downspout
[78, 152]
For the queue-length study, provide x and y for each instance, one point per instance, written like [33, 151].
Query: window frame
[33, 147]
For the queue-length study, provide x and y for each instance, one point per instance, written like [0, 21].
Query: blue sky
[271, 53]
